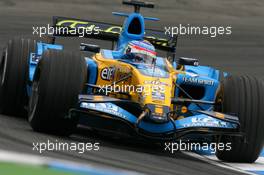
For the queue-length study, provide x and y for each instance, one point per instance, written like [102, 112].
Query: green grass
[20, 169]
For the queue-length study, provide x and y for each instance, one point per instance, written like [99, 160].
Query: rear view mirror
[188, 61]
[89, 48]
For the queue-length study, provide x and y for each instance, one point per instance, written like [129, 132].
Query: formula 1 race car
[129, 89]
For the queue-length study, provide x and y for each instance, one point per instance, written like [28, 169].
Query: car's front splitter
[201, 123]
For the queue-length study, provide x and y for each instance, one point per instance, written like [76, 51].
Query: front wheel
[14, 73]
[244, 97]
[60, 76]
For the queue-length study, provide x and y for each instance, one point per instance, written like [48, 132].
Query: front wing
[202, 122]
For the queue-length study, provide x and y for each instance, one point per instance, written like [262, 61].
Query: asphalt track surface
[242, 52]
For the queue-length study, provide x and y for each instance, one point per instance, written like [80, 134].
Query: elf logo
[108, 73]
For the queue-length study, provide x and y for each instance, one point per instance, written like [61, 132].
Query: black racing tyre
[244, 96]
[60, 76]
[14, 75]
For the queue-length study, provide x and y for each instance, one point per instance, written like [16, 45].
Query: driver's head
[141, 50]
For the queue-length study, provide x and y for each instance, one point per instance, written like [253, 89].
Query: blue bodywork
[202, 73]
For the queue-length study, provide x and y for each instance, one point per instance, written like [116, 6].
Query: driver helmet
[142, 51]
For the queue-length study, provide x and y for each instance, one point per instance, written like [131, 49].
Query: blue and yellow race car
[129, 89]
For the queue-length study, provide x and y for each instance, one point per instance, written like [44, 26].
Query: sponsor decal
[155, 82]
[103, 107]
[35, 58]
[205, 122]
[191, 80]
[108, 73]
[159, 110]
[122, 72]
[98, 28]
[158, 96]
[158, 101]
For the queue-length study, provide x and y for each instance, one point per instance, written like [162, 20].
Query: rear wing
[105, 31]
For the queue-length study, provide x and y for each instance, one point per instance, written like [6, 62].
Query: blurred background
[243, 51]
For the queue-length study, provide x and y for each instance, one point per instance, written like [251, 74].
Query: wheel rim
[33, 101]
[3, 65]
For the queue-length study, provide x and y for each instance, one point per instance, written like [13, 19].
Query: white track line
[217, 162]
[12, 157]
[257, 166]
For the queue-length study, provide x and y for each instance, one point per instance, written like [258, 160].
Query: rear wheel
[59, 78]
[14, 75]
[244, 97]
